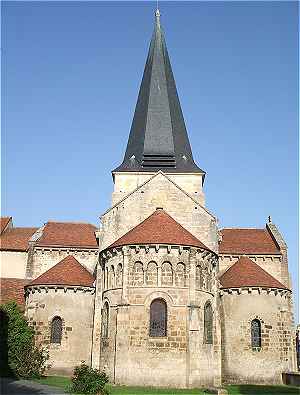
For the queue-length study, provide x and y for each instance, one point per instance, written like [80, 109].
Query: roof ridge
[70, 222]
[244, 228]
[24, 227]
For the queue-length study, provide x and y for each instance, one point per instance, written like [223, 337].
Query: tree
[21, 357]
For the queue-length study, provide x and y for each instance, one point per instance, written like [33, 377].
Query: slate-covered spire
[158, 138]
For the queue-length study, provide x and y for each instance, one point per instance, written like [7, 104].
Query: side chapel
[158, 294]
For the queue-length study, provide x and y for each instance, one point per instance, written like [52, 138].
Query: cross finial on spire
[157, 14]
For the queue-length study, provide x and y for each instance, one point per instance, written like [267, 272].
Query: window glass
[56, 330]
[158, 318]
[255, 334]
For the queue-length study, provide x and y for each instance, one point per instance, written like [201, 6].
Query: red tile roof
[13, 289]
[67, 272]
[68, 235]
[4, 221]
[247, 241]
[246, 273]
[159, 228]
[16, 239]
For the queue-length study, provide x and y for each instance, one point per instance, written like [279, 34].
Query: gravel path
[26, 387]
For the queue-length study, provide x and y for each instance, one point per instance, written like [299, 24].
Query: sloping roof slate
[16, 239]
[159, 228]
[66, 272]
[246, 273]
[68, 234]
[13, 289]
[158, 139]
[247, 241]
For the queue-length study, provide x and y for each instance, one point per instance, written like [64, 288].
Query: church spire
[158, 138]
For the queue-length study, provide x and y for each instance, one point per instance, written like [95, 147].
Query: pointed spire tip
[157, 15]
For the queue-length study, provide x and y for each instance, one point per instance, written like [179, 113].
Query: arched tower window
[255, 333]
[56, 330]
[208, 324]
[105, 320]
[158, 318]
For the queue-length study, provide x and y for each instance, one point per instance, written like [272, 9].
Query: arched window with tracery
[158, 318]
[105, 320]
[255, 333]
[56, 330]
[208, 323]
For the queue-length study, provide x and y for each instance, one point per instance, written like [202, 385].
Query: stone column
[95, 360]
[159, 275]
[192, 277]
[217, 335]
[126, 262]
[192, 321]
[123, 325]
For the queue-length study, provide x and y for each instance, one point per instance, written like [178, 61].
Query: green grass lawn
[64, 382]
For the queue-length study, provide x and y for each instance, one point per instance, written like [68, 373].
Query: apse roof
[246, 273]
[67, 272]
[159, 228]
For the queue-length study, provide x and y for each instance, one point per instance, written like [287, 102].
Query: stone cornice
[254, 290]
[251, 256]
[66, 249]
[46, 288]
[210, 255]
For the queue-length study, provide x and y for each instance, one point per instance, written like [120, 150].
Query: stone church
[157, 294]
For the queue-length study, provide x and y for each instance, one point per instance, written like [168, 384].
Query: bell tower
[158, 139]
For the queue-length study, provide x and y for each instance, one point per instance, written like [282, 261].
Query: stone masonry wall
[241, 363]
[128, 354]
[125, 183]
[159, 192]
[45, 258]
[13, 264]
[76, 308]
[273, 264]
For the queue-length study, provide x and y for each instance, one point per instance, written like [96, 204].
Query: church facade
[158, 294]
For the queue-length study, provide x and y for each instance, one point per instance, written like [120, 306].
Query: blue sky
[70, 79]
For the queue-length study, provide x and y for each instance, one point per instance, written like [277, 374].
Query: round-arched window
[56, 330]
[158, 318]
[255, 333]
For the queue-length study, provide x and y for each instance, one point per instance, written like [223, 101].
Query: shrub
[20, 357]
[87, 380]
